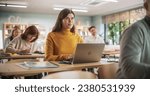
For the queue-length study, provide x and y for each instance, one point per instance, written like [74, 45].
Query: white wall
[97, 21]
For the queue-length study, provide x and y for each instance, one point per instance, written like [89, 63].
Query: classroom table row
[11, 68]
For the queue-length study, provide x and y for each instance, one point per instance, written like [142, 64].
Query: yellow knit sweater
[59, 45]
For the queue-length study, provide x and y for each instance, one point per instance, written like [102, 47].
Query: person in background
[24, 43]
[135, 49]
[62, 41]
[94, 38]
[15, 33]
[16, 27]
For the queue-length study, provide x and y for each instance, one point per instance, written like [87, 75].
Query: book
[37, 65]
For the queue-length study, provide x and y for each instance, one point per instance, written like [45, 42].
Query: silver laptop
[87, 52]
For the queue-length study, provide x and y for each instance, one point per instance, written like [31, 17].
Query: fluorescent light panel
[13, 5]
[80, 10]
[73, 9]
[111, 0]
[87, 2]
[20, 6]
[2, 5]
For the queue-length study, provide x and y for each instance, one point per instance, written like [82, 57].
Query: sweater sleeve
[49, 51]
[131, 47]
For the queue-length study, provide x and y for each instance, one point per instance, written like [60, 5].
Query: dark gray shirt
[135, 51]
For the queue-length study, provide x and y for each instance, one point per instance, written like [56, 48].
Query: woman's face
[16, 33]
[67, 22]
[30, 37]
[93, 31]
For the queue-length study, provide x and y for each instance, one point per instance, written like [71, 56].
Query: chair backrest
[71, 75]
[108, 71]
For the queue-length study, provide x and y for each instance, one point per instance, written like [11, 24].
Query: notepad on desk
[37, 65]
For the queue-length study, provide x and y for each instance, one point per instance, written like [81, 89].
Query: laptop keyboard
[67, 61]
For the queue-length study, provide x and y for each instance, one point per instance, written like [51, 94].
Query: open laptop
[87, 52]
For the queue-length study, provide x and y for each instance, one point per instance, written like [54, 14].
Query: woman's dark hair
[32, 30]
[91, 27]
[61, 16]
[11, 37]
[16, 27]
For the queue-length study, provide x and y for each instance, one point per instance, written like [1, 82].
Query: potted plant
[113, 29]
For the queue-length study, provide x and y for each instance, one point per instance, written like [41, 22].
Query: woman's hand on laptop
[70, 57]
[67, 56]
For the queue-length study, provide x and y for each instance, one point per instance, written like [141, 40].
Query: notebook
[86, 53]
[37, 65]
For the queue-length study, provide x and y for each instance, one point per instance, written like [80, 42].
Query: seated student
[94, 38]
[15, 33]
[25, 42]
[16, 27]
[62, 41]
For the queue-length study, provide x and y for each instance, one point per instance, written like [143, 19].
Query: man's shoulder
[136, 28]
[139, 23]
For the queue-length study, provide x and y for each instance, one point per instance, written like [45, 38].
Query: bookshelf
[8, 28]
[83, 31]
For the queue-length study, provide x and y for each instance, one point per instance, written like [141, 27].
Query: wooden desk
[71, 75]
[111, 52]
[11, 69]
[16, 56]
[115, 54]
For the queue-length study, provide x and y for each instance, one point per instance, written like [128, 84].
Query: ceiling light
[20, 6]
[13, 5]
[56, 8]
[2, 5]
[96, 2]
[80, 10]
[110, 0]
[73, 9]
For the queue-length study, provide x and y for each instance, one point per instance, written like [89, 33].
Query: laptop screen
[88, 52]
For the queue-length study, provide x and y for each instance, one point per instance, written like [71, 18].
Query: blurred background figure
[16, 32]
[94, 37]
[16, 27]
[25, 43]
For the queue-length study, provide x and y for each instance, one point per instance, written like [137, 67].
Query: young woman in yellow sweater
[62, 41]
